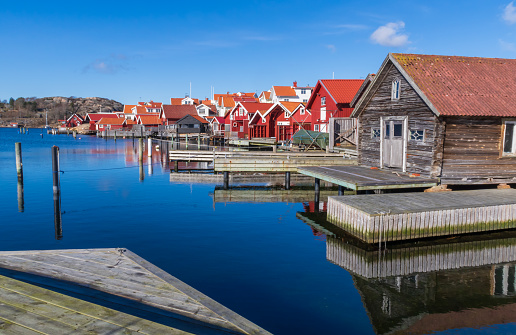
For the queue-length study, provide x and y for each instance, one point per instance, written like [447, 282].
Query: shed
[192, 123]
[446, 117]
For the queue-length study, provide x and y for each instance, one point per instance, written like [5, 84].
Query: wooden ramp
[123, 276]
[378, 218]
[360, 178]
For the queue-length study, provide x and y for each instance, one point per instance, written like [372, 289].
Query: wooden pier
[378, 218]
[360, 178]
[115, 276]
[267, 194]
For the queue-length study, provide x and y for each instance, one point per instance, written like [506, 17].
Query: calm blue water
[257, 259]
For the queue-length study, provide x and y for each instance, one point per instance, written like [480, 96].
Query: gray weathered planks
[363, 178]
[122, 273]
[402, 216]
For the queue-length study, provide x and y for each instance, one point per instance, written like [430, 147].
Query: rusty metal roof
[464, 86]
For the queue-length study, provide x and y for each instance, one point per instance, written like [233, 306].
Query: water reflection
[21, 201]
[58, 226]
[431, 286]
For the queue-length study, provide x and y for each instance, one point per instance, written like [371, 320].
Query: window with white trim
[417, 135]
[323, 113]
[509, 138]
[302, 111]
[286, 115]
[316, 127]
[323, 101]
[303, 91]
[375, 133]
[395, 93]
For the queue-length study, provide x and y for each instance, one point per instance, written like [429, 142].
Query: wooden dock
[360, 178]
[116, 276]
[403, 216]
[267, 194]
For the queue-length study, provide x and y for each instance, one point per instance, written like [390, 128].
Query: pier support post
[287, 180]
[19, 166]
[176, 166]
[317, 194]
[274, 148]
[149, 145]
[74, 134]
[114, 135]
[150, 169]
[55, 169]
[341, 190]
[226, 180]
[140, 150]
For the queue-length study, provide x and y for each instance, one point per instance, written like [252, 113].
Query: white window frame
[323, 101]
[323, 112]
[395, 89]
[513, 143]
[316, 127]
[302, 111]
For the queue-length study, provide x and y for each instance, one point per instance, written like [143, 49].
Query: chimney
[294, 84]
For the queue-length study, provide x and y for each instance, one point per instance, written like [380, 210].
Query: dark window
[387, 131]
[508, 146]
[398, 130]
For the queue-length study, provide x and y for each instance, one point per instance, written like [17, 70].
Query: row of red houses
[279, 112]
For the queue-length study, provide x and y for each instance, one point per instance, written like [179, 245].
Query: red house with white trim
[93, 118]
[110, 124]
[332, 98]
[238, 117]
[74, 121]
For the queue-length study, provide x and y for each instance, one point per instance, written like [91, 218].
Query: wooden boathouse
[446, 117]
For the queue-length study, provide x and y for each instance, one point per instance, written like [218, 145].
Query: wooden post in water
[287, 180]
[226, 180]
[176, 166]
[149, 149]
[274, 148]
[19, 166]
[149, 162]
[140, 150]
[55, 169]
[341, 190]
[186, 141]
[75, 134]
[115, 135]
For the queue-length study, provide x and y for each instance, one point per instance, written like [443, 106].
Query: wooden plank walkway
[268, 195]
[402, 216]
[29, 309]
[412, 260]
[210, 156]
[121, 273]
[286, 164]
[360, 178]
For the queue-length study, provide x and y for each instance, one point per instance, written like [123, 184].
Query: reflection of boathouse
[419, 290]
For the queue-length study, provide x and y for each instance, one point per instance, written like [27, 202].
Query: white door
[393, 143]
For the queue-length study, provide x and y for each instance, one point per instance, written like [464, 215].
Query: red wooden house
[74, 121]
[332, 98]
[277, 121]
[110, 124]
[238, 117]
[93, 118]
[171, 113]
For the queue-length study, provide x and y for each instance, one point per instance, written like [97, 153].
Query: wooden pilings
[149, 147]
[19, 166]
[226, 180]
[140, 151]
[287, 180]
[317, 193]
[21, 202]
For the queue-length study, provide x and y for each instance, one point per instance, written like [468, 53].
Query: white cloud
[507, 46]
[509, 13]
[331, 47]
[390, 35]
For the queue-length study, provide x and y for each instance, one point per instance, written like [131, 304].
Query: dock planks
[121, 273]
[360, 178]
[404, 216]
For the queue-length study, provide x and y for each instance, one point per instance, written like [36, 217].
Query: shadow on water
[428, 286]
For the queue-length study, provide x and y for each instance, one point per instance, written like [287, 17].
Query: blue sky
[152, 50]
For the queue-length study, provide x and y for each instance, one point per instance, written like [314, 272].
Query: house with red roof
[446, 117]
[204, 110]
[149, 121]
[184, 101]
[238, 117]
[265, 96]
[331, 98]
[276, 122]
[170, 114]
[93, 118]
[108, 123]
[217, 125]
[74, 120]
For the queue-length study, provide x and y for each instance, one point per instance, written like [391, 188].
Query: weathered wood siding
[472, 150]
[422, 157]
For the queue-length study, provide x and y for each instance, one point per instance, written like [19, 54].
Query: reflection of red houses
[332, 98]
[309, 207]
[74, 121]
